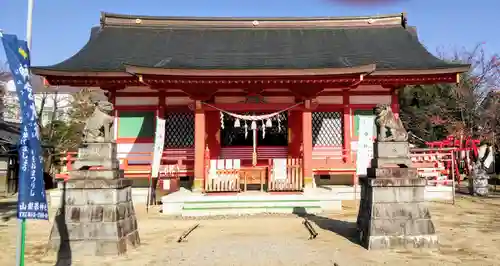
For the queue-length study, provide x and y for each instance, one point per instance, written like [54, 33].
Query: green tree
[61, 136]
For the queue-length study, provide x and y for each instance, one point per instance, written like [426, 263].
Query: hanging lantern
[253, 126]
[237, 123]
[222, 120]
[269, 123]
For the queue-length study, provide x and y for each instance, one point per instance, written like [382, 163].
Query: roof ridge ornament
[110, 19]
[404, 19]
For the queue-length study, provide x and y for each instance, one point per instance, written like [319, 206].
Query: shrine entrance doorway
[271, 142]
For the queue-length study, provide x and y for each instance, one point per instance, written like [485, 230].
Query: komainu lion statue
[389, 127]
[99, 125]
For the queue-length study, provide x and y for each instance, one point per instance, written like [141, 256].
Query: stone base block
[95, 217]
[96, 174]
[97, 183]
[103, 164]
[393, 214]
[97, 154]
[407, 242]
[93, 229]
[96, 192]
[391, 149]
[97, 150]
[393, 182]
[391, 162]
[84, 248]
[393, 172]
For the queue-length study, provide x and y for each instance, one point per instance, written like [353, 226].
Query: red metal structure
[465, 149]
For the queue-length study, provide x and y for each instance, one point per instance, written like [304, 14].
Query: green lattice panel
[136, 124]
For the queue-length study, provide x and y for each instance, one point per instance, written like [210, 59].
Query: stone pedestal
[390, 154]
[96, 215]
[393, 212]
[479, 181]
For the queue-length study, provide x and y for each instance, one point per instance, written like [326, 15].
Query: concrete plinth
[393, 214]
[96, 215]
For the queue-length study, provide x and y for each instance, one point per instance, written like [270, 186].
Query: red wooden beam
[250, 107]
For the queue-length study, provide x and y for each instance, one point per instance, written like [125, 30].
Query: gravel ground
[469, 234]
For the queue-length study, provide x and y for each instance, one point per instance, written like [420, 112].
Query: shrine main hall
[274, 104]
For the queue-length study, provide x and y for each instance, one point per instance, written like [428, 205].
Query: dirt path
[469, 234]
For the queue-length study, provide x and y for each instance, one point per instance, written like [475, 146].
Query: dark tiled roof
[111, 47]
[9, 133]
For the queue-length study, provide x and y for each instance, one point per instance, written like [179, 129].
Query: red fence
[439, 165]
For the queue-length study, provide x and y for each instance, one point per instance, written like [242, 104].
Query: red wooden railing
[180, 162]
[182, 158]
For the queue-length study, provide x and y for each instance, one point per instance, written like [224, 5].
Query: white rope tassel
[279, 123]
[263, 129]
[246, 129]
[253, 125]
[237, 123]
[222, 120]
[269, 123]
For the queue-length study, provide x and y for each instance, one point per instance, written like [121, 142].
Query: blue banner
[32, 202]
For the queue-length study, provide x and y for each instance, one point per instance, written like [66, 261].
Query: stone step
[250, 204]
[248, 210]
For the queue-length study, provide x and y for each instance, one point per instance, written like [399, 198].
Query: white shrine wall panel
[370, 99]
[329, 99]
[126, 150]
[279, 99]
[178, 100]
[229, 99]
[131, 101]
[371, 88]
[137, 89]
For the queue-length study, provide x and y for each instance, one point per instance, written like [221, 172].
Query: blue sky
[62, 27]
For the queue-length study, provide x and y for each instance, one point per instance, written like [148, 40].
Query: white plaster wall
[279, 99]
[329, 99]
[229, 99]
[124, 150]
[178, 100]
[138, 89]
[370, 99]
[267, 99]
[128, 101]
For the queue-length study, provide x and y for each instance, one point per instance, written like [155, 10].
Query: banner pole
[22, 222]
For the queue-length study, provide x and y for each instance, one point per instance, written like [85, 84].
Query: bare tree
[434, 111]
[475, 88]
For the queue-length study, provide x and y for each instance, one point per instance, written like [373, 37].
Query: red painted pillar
[307, 145]
[395, 102]
[199, 147]
[347, 127]
[213, 133]
[294, 134]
